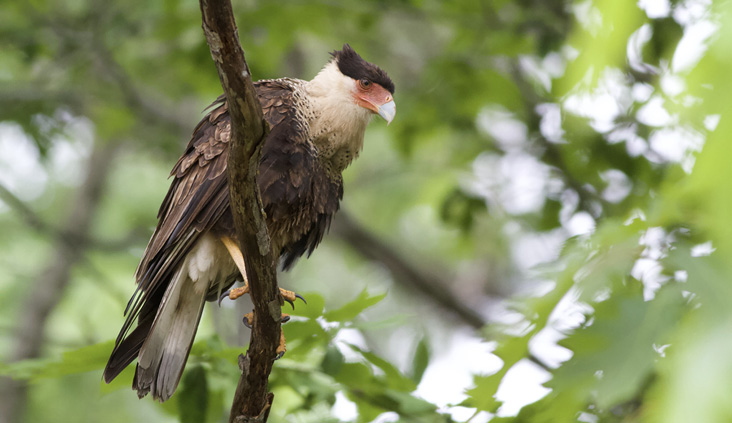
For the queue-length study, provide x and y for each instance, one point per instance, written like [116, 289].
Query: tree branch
[152, 112]
[411, 275]
[248, 131]
[71, 237]
[404, 271]
[50, 283]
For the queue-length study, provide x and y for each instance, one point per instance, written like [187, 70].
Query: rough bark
[251, 402]
[50, 283]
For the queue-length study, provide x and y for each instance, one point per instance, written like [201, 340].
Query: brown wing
[197, 198]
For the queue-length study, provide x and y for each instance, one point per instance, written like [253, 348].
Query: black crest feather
[352, 65]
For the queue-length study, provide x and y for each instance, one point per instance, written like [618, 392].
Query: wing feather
[197, 198]
[299, 197]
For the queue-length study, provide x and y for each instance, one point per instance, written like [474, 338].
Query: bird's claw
[291, 297]
[234, 293]
[224, 295]
[281, 348]
[248, 319]
[280, 351]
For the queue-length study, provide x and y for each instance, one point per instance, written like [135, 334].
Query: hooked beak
[376, 99]
[387, 111]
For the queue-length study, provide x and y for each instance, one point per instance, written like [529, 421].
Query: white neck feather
[338, 123]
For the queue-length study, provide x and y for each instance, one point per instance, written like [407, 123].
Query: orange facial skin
[371, 95]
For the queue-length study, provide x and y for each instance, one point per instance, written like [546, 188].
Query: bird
[317, 130]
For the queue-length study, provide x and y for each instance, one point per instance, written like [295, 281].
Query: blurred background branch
[49, 285]
[70, 239]
[423, 279]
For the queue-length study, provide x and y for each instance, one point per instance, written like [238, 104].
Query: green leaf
[332, 361]
[482, 395]
[85, 359]
[352, 309]
[192, 396]
[420, 360]
[614, 356]
[410, 405]
[394, 378]
[619, 345]
[122, 381]
[354, 375]
[314, 307]
[303, 337]
[213, 347]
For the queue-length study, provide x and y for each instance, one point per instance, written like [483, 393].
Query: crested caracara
[317, 130]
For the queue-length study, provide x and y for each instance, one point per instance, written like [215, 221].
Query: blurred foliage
[548, 153]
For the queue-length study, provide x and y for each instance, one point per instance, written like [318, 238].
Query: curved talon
[224, 295]
[282, 348]
[248, 319]
[291, 297]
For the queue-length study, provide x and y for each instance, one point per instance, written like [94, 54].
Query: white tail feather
[165, 351]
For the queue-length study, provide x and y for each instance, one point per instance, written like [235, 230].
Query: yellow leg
[238, 258]
[236, 255]
[235, 293]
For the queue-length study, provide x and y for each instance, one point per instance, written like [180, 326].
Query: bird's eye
[364, 83]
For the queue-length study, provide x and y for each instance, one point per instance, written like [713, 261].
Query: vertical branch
[248, 131]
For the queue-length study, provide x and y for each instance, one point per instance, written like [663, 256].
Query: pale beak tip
[387, 111]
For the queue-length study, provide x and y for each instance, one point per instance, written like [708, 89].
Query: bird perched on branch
[317, 130]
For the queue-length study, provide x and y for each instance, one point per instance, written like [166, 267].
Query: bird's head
[371, 87]
[349, 80]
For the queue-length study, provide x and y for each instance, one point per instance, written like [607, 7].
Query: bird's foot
[291, 296]
[249, 319]
[234, 293]
[281, 348]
